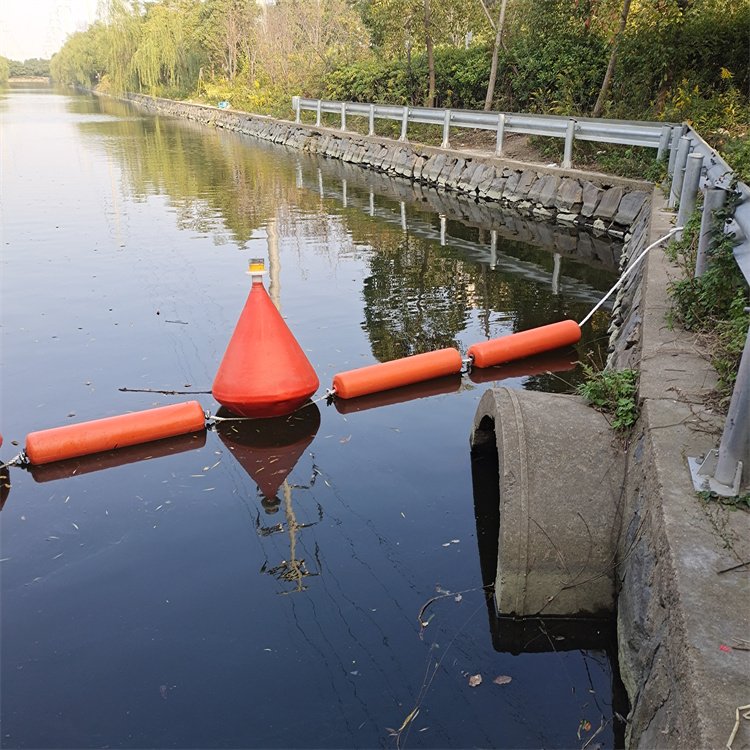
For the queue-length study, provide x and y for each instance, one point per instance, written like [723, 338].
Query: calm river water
[156, 598]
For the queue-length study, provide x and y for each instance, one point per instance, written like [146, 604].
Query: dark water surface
[155, 598]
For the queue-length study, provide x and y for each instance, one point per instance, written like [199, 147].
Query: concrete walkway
[684, 615]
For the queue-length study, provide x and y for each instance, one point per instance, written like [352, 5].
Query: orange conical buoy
[264, 372]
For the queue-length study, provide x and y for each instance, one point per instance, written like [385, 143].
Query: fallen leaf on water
[345, 439]
[502, 679]
[474, 680]
[457, 597]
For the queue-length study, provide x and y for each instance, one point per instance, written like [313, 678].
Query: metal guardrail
[629, 132]
[692, 166]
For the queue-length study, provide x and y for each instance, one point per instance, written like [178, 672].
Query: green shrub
[612, 392]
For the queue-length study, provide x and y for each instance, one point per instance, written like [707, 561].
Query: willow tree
[123, 20]
[82, 60]
[167, 54]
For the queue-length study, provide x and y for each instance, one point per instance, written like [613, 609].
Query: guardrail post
[567, 161]
[296, 107]
[402, 206]
[443, 228]
[371, 131]
[343, 116]
[500, 134]
[734, 440]
[319, 112]
[683, 149]
[446, 129]
[721, 470]
[344, 201]
[493, 248]
[690, 188]
[713, 201]
[666, 131]
[404, 123]
[674, 142]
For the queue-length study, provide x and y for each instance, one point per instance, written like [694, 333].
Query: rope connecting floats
[110, 433]
[420, 367]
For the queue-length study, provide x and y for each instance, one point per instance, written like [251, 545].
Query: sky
[38, 28]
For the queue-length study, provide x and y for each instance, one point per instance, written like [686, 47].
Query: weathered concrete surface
[676, 609]
[559, 519]
[683, 606]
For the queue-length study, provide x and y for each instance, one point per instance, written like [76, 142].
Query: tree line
[670, 59]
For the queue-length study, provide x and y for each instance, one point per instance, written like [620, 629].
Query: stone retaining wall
[600, 202]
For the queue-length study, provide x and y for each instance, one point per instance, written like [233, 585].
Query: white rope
[627, 272]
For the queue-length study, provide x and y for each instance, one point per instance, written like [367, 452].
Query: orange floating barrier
[525, 343]
[264, 372]
[397, 372]
[107, 434]
[435, 387]
[75, 467]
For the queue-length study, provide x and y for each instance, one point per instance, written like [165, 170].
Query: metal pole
[713, 201]
[683, 149]
[320, 109]
[500, 134]
[735, 439]
[443, 227]
[404, 123]
[403, 216]
[343, 116]
[446, 129]
[666, 131]
[493, 248]
[343, 193]
[674, 142]
[567, 162]
[372, 120]
[690, 188]
[296, 110]
[372, 203]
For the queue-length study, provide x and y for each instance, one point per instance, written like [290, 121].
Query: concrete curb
[676, 610]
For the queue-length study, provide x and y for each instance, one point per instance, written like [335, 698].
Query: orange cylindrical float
[75, 467]
[434, 387]
[524, 343]
[264, 372]
[397, 372]
[85, 438]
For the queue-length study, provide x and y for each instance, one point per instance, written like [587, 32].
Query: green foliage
[4, 70]
[612, 392]
[714, 303]
[32, 68]
[461, 79]
[738, 502]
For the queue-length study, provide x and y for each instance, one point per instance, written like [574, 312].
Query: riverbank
[682, 614]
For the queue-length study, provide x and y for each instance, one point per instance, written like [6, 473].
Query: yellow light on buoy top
[257, 268]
